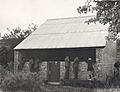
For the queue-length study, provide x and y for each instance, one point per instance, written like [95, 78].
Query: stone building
[73, 37]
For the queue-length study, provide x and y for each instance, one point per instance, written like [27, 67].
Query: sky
[21, 13]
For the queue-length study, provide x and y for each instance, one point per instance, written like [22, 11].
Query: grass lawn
[51, 88]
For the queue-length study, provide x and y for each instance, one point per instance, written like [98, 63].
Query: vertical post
[16, 61]
[48, 70]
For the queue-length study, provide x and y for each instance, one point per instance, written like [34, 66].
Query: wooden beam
[16, 61]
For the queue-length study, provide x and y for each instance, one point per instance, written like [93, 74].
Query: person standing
[90, 68]
[67, 67]
[75, 67]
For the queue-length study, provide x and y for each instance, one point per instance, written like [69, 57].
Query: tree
[19, 32]
[107, 12]
[12, 39]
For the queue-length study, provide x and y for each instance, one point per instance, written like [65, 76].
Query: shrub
[28, 82]
[3, 73]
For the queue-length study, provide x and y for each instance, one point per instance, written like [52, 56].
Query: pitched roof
[66, 33]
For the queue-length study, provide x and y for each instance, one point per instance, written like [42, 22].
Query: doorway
[53, 71]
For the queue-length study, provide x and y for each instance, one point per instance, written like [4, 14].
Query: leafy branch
[19, 32]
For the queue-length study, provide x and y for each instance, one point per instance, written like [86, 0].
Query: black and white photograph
[59, 45]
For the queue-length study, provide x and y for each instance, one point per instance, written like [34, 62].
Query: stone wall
[106, 57]
[104, 66]
[43, 70]
[99, 65]
[62, 70]
[83, 73]
[71, 71]
[109, 58]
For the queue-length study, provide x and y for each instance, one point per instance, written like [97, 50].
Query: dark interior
[60, 54]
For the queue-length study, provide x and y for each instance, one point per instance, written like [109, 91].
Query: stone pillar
[99, 65]
[43, 70]
[16, 61]
[83, 73]
[99, 54]
[62, 70]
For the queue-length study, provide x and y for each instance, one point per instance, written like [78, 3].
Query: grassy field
[49, 88]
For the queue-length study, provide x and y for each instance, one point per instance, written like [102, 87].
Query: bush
[28, 82]
[3, 73]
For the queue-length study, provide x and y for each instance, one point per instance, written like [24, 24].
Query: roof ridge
[71, 17]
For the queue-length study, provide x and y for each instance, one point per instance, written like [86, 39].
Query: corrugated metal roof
[66, 33]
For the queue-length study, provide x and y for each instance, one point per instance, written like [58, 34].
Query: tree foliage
[107, 12]
[19, 32]
[12, 39]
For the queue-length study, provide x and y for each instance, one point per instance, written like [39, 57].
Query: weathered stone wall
[105, 57]
[71, 71]
[98, 67]
[104, 66]
[43, 70]
[83, 73]
[99, 54]
[62, 70]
